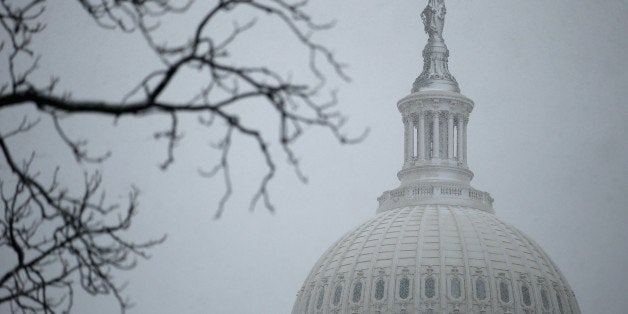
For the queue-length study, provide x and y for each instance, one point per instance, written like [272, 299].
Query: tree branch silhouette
[58, 234]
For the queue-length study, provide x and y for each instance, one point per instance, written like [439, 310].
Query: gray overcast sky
[547, 138]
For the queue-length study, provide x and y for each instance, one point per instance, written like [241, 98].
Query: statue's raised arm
[433, 17]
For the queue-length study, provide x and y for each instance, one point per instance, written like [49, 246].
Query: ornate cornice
[429, 101]
[435, 193]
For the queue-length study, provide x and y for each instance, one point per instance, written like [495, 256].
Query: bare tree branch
[60, 235]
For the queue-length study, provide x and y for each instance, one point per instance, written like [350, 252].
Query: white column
[464, 139]
[408, 135]
[460, 137]
[450, 136]
[435, 135]
[421, 136]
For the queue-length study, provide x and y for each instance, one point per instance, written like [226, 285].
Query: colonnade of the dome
[439, 135]
[435, 137]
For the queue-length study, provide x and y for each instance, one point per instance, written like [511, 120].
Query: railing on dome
[445, 194]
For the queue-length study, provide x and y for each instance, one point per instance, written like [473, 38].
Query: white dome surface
[435, 259]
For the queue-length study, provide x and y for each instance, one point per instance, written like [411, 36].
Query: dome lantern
[435, 118]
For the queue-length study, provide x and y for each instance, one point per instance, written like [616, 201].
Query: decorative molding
[425, 101]
[455, 273]
[435, 193]
[381, 304]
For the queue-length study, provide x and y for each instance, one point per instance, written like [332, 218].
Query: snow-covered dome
[436, 245]
[435, 259]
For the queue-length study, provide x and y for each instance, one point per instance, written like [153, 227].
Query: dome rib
[465, 255]
[511, 234]
[521, 239]
[442, 284]
[564, 285]
[507, 260]
[377, 254]
[309, 291]
[340, 261]
[419, 255]
[490, 272]
[395, 260]
[352, 270]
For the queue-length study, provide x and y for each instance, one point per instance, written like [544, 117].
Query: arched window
[337, 295]
[560, 303]
[525, 295]
[404, 288]
[379, 289]
[321, 297]
[545, 300]
[456, 290]
[504, 292]
[430, 287]
[480, 289]
[357, 292]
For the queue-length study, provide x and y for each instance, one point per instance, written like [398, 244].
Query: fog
[548, 138]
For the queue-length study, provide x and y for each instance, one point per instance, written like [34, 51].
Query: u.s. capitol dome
[435, 259]
[435, 245]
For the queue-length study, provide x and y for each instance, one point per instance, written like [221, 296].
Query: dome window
[525, 295]
[545, 300]
[337, 295]
[560, 303]
[430, 287]
[456, 289]
[379, 289]
[480, 289]
[321, 297]
[504, 292]
[404, 288]
[357, 292]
